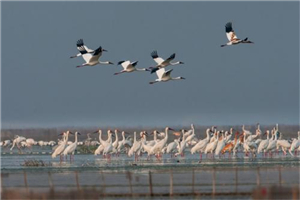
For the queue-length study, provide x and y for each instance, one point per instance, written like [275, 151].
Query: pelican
[82, 49]
[72, 147]
[161, 63]
[129, 67]
[233, 40]
[93, 59]
[164, 76]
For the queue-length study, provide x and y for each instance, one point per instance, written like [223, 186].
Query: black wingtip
[134, 63]
[79, 43]
[228, 27]
[97, 51]
[172, 56]
[154, 54]
[120, 62]
[154, 70]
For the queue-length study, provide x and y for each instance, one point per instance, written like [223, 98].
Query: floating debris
[36, 163]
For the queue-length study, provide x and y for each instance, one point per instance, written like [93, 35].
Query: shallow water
[122, 175]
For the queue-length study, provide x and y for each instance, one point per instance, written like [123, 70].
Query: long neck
[117, 139]
[166, 137]
[104, 63]
[176, 78]
[140, 69]
[155, 136]
[134, 137]
[207, 135]
[76, 138]
[100, 136]
[67, 137]
[175, 63]
[268, 135]
[123, 135]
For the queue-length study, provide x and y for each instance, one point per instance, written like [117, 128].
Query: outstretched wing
[97, 54]
[155, 57]
[168, 73]
[124, 64]
[160, 73]
[168, 60]
[230, 32]
[80, 46]
[134, 63]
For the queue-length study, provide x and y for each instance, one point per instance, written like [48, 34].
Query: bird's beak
[78, 133]
[110, 63]
[104, 50]
[96, 131]
[181, 62]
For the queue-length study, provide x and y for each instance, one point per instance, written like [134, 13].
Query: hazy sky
[41, 85]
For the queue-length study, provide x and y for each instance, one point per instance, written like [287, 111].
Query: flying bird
[82, 49]
[129, 67]
[164, 76]
[161, 63]
[93, 59]
[233, 40]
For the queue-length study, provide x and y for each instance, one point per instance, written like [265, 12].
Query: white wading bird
[233, 40]
[161, 63]
[93, 59]
[129, 67]
[82, 49]
[61, 147]
[164, 76]
[71, 148]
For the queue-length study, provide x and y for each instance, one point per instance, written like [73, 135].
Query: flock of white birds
[216, 143]
[91, 58]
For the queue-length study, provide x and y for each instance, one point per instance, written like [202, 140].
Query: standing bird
[71, 148]
[161, 63]
[164, 76]
[129, 67]
[82, 49]
[201, 145]
[61, 147]
[93, 59]
[233, 40]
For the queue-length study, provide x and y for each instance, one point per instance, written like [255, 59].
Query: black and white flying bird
[233, 40]
[161, 63]
[129, 67]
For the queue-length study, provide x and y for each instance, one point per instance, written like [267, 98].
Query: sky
[242, 84]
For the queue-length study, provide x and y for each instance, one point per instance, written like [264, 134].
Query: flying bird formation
[92, 58]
